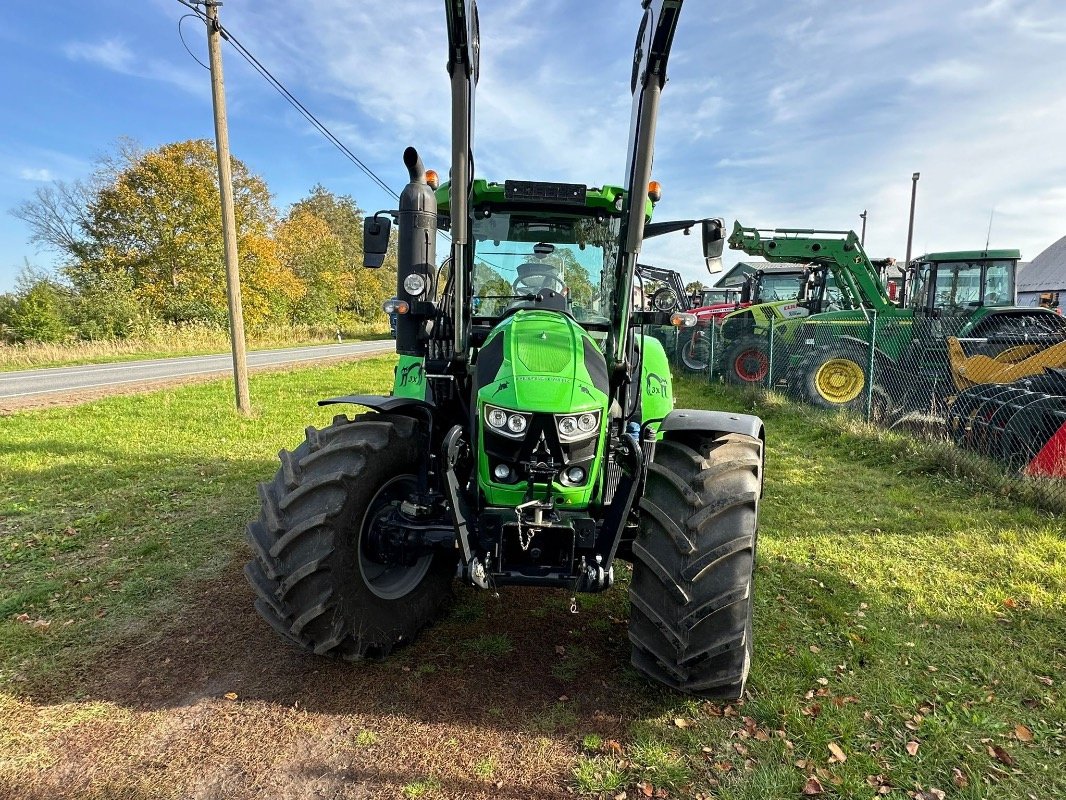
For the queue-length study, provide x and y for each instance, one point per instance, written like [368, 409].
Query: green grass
[107, 507]
[894, 603]
[896, 600]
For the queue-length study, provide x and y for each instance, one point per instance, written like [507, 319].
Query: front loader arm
[463, 64]
[654, 39]
[840, 251]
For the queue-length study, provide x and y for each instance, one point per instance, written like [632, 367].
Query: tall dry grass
[160, 341]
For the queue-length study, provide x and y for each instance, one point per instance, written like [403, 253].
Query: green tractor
[747, 351]
[948, 299]
[530, 438]
[779, 287]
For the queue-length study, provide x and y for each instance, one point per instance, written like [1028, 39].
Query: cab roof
[971, 255]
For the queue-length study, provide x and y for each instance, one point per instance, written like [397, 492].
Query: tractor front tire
[316, 580]
[691, 594]
[746, 362]
[696, 351]
[835, 378]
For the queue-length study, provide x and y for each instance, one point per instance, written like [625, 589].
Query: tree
[40, 310]
[157, 222]
[694, 288]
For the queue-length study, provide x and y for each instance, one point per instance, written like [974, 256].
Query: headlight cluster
[507, 423]
[573, 427]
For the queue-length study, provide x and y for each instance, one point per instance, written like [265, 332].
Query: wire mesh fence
[995, 392]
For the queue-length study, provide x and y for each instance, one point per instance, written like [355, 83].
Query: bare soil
[492, 702]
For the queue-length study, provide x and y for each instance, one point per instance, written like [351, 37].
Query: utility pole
[229, 225]
[910, 225]
[862, 236]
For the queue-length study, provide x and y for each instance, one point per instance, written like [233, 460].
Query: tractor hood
[541, 361]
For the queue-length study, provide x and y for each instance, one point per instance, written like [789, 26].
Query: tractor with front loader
[530, 438]
[773, 293]
[961, 302]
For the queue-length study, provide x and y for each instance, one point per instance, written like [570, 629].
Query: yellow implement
[1010, 365]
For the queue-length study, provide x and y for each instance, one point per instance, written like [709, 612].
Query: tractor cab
[959, 283]
[543, 246]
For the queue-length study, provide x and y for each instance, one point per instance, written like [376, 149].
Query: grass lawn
[908, 637]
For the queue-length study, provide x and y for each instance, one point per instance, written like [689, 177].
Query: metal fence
[999, 400]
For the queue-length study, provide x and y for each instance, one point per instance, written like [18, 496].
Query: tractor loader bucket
[1009, 366]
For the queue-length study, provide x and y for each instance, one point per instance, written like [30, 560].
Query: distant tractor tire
[835, 378]
[691, 593]
[316, 578]
[746, 362]
[696, 350]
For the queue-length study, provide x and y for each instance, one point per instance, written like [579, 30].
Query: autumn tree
[158, 223]
[330, 228]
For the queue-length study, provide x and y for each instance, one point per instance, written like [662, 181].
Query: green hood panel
[544, 365]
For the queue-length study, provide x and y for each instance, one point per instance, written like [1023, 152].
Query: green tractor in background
[948, 299]
[530, 438]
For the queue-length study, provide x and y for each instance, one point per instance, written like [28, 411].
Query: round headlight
[568, 426]
[497, 418]
[502, 472]
[575, 475]
[516, 423]
[587, 422]
[414, 284]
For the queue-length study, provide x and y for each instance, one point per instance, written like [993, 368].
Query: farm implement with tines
[530, 437]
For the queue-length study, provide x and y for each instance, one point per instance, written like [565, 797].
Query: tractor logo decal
[585, 389]
[655, 385]
[500, 388]
[412, 374]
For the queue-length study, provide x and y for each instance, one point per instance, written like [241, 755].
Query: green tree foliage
[140, 239]
[38, 311]
[158, 223]
[694, 288]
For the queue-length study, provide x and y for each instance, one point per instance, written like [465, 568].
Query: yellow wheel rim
[839, 380]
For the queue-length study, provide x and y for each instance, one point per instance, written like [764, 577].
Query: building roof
[1046, 272]
[734, 276]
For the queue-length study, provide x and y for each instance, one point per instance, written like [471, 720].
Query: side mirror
[713, 244]
[745, 293]
[375, 240]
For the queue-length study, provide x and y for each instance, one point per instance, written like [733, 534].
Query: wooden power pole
[229, 225]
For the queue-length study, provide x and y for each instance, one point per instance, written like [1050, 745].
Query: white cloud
[116, 55]
[36, 174]
[951, 73]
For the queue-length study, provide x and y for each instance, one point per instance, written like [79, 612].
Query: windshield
[963, 285]
[779, 287]
[517, 254]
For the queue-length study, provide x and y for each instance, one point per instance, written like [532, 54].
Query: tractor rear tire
[691, 594]
[313, 573]
[746, 362]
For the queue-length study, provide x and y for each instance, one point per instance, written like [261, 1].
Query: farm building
[735, 275]
[1043, 280]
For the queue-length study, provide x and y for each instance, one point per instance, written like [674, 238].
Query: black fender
[713, 421]
[382, 403]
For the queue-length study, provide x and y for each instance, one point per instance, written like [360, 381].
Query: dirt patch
[11, 405]
[492, 702]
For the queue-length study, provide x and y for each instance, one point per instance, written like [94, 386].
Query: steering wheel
[533, 277]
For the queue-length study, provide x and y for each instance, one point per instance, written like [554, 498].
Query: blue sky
[796, 114]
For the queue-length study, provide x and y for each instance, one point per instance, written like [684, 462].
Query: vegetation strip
[908, 633]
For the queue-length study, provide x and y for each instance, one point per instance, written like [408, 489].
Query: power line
[290, 98]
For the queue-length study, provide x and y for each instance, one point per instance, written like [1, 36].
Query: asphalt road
[65, 380]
